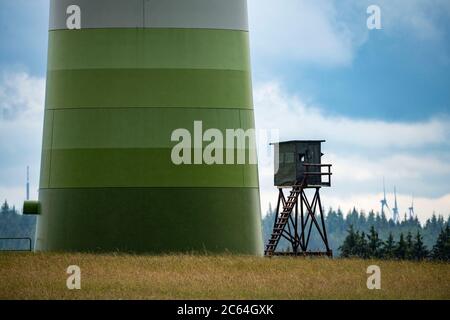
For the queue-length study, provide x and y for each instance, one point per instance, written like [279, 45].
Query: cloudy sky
[380, 98]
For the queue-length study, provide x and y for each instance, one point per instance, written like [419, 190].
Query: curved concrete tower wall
[116, 90]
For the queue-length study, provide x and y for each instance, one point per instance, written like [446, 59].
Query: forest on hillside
[15, 225]
[338, 226]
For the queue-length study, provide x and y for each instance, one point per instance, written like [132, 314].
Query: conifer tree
[409, 246]
[441, 250]
[5, 208]
[420, 252]
[362, 247]
[389, 248]
[401, 248]
[374, 245]
[350, 243]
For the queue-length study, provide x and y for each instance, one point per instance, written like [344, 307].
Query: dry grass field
[43, 276]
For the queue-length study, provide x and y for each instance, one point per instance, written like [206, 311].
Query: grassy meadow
[43, 276]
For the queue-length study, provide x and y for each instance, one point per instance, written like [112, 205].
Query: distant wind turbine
[411, 209]
[384, 203]
[396, 216]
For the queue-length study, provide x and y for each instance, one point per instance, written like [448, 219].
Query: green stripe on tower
[149, 48]
[151, 127]
[198, 88]
[90, 168]
[145, 223]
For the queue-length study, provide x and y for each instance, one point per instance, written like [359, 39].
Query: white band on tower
[196, 14]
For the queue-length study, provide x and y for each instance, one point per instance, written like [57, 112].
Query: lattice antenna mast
[28, 183]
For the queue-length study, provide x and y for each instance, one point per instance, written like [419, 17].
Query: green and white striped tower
[116, 90]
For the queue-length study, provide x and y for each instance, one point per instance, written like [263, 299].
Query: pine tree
[417, 222]
[409, 246]
[440, 221]
[362, 221]
[371, 219]
[5, 208]
[378, 221]
[389, 248]
[384, 221]
[353, 218]
[341, 224]
[433, 222]
[332, 222]
[401, 248]
[374, 244]
[420, 252]
[441, 250]
[362, 247]
[350, 243]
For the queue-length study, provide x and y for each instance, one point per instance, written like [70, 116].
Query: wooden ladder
[282, 220]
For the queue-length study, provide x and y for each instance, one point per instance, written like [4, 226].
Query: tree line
[15, 225]
[338, 225]
[409, 247]
[355, 234]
